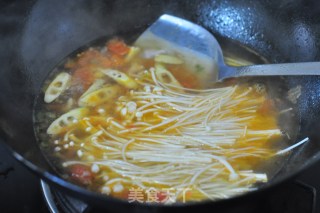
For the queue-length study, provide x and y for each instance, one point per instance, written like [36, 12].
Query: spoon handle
[305, 68]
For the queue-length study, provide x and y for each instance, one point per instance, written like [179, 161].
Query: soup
[137, 124]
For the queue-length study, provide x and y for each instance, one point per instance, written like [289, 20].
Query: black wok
[37, 35]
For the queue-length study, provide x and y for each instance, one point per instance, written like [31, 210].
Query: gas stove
[23, 192]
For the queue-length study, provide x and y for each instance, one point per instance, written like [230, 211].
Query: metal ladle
[200, 49]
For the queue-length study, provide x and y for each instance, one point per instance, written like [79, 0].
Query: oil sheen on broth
[137, 124]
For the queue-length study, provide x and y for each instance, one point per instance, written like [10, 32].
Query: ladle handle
[294, 69]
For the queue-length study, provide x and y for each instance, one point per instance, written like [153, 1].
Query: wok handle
[305, 68]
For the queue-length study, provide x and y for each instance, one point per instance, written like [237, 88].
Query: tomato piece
[162, 196]
[103, 62]
[117, 61]
[187, 85]
[83, 76]
[81, 174]
[118, 47]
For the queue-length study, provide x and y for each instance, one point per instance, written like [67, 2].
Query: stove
[23, 192]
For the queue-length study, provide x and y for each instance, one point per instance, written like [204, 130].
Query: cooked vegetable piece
[118, 47]
[116, 60]
[57, 87]
[66, 120]
[132, 53]
[92, 58]
[100, 96]
[165, 76]
[81, 174]
[151, 53]
[121, 78]
[135, 68]
[95, 86]
[168, 59]
[83, 76]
